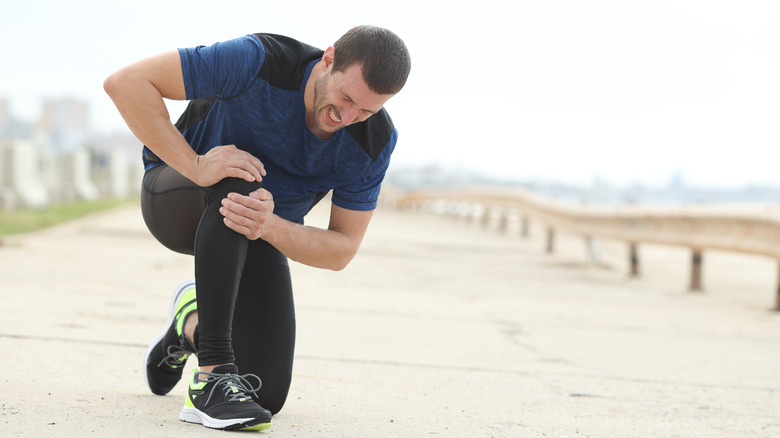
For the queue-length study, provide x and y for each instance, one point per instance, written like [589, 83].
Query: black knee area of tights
[220, 190]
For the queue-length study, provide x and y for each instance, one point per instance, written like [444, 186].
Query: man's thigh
[172, 206]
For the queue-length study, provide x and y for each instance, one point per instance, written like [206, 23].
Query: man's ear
[327, 57]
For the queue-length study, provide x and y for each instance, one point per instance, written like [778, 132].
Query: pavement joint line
[75, 341]
[471, 369]
[536, 374]
[667, 382]
[302, 357]
[407, 315]
[414, 365]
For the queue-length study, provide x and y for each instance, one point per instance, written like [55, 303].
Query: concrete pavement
[437, 328]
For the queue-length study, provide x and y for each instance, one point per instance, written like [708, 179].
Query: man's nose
[349, 114]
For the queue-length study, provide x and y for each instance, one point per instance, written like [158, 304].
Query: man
[272, 126]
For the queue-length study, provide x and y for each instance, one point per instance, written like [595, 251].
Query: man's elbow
[113, 83]
[340, 262]
[124, 83]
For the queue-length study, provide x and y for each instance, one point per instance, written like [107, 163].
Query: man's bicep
[164, 72]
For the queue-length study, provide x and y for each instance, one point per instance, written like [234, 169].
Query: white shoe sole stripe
[193, 415]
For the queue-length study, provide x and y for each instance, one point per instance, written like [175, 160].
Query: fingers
[240, 229]
[241, 219]
[250, 164]
[234, 215]
[257, 164]
[229, 161]
[246, 165]
[245, 174]
[248, 215]
[261, 194]
[246, 205]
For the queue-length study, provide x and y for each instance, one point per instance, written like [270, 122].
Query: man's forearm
[333, 248]
[142, 107]
[138, 91]
[317, 247]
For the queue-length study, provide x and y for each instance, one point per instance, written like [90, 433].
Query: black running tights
[245, 301]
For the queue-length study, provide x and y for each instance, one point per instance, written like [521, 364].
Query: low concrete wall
[34, 177]
[21, 180]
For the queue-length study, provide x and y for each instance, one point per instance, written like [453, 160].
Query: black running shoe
[165, 358]
[222, 400]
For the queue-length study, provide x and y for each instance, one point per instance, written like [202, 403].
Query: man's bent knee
[234, 185]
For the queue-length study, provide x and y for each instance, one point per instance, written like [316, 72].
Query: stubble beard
[321, 109]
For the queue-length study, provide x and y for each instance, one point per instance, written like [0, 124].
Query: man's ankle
[191, 329]
[210, 368]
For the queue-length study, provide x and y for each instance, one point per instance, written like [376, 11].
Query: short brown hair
[381, 54]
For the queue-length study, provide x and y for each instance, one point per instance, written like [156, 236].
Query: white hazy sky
[626, 91]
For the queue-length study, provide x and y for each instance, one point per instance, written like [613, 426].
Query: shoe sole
[257, 427]
[193, 415]
[182, 288]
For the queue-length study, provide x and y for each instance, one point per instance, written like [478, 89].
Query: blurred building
[4, 114]
[63, 124]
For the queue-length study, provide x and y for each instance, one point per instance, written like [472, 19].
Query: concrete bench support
[550, 247]
[696, 270]
[633, 259]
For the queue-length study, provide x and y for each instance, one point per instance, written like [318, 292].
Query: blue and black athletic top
[249, 92]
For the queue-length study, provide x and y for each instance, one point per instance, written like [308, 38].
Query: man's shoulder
[374, 134]
[286, 60]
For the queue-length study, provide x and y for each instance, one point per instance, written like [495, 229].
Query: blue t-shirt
[249, 92]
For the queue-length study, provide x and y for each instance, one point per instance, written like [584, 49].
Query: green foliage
[22, 221]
